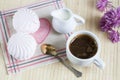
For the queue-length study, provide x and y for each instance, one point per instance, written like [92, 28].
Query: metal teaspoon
[49, 49]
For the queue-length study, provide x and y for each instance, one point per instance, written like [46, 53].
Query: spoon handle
[76, 72]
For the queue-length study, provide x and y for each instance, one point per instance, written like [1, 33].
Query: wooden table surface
[109, 53]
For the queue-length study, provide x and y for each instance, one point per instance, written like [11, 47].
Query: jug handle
[79, 19]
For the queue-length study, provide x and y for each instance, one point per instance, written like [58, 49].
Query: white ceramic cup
[85, 62]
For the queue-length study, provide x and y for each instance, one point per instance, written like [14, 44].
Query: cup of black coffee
[83, 48]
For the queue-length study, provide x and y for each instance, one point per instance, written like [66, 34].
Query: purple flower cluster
[114, 36]
[110, 20]
[102, 4]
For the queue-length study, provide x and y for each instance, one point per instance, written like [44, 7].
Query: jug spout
[61, 14]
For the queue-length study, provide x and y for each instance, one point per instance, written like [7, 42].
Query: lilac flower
[105, 24]
[111, 19]
[102, 4]
[107, 21]
[114, 36]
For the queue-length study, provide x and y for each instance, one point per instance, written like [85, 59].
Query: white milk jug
[64, 21]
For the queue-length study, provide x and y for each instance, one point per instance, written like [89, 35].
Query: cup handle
[99, 62]
[79, 19]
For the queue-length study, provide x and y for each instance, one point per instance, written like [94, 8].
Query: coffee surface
[83, 46]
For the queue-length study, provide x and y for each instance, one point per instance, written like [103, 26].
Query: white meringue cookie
[21, 46]
[26, 20]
